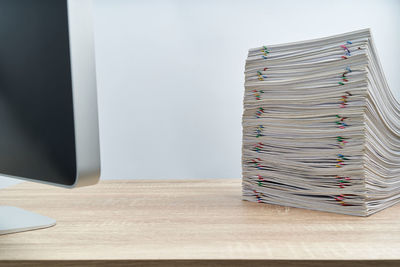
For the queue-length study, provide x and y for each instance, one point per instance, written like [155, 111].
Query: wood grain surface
[128, 220]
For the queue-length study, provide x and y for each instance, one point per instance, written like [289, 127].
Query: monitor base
[13, 220]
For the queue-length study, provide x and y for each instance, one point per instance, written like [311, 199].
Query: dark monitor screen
[37, 139]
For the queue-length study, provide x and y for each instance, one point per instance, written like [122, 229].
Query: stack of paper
[321, 128]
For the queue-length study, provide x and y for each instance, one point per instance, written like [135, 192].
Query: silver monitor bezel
[84, 94]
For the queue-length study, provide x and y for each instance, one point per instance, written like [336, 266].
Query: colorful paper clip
[346, 49]
[265, 51]
[258, 146]
[257, 196]
[260, 76]
[259, 112]
[341, 141]
[343, 181]
[259, 131]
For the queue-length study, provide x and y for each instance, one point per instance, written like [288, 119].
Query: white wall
[170, 74]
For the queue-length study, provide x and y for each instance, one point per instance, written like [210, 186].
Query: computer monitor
[48, 100]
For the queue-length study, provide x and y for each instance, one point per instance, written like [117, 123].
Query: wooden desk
[185, 221]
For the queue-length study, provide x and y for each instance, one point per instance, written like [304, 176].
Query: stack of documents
[321, 128]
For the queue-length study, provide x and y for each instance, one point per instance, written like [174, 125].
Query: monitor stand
[13, 220]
